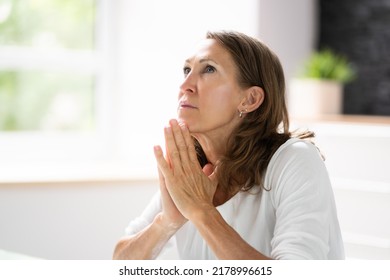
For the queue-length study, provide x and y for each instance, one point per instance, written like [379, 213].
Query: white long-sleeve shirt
[295, 219]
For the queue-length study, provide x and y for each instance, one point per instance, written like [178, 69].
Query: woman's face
[210, 96]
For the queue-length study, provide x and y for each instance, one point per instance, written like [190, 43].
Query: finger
[213, 178]
[208, 169]
[172, 151]
[163, 188]
[189, 143]
[163, 166]
[181, 144]
[161, 179]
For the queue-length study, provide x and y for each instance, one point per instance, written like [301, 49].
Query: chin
[184, 119]
[187, 122]
[192, 122]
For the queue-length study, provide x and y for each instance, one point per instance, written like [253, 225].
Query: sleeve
[152, 209]
[303, 202]
[147, 216]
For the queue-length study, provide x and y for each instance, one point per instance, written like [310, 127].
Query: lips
[186, 105]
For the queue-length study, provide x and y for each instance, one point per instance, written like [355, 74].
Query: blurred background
[87, 86]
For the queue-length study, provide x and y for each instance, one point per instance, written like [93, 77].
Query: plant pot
[310, 98]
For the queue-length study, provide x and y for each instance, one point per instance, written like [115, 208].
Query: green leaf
[327, 65]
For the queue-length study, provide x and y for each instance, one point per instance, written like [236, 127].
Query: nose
[189, 84]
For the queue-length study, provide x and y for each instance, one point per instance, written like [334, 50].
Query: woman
[234, 182]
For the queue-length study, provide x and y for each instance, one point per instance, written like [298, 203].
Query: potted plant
[318, 90]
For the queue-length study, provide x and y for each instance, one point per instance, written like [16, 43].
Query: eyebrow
[202, 60]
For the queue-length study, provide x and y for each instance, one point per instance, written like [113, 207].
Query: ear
[254, 97]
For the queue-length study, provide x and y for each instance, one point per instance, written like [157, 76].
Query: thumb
[208, 169]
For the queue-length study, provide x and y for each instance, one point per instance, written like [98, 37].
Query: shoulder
[296, 167]
[296, 151]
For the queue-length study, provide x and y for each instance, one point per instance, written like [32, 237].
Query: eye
[209, 69]
[186, 70]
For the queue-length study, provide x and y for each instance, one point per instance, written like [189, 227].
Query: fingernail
[173, 122]
[183, 126]
[181, 123]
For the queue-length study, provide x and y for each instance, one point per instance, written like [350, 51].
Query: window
[41, 84]
[55, 67]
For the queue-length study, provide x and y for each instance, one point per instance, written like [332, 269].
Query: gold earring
[242, 111]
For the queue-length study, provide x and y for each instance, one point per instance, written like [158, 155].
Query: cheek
[223, 98]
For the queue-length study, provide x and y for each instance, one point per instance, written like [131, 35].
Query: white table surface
[8, 255]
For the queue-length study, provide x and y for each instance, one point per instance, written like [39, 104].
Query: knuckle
[175, 154]
[182, 147]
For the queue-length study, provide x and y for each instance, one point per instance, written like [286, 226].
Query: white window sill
[345, 125]
[74, 172]
[350, 119]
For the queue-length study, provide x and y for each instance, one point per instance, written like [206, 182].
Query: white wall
[69, 220]
[290, 28]
[357, 158]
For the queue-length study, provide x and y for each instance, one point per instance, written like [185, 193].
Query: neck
[214, 147]
[214, 141]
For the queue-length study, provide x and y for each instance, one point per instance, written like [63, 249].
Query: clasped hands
[185, 187]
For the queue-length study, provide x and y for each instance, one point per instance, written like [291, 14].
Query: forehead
[210, 49]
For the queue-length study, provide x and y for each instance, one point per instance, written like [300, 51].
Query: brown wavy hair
[252, 144]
